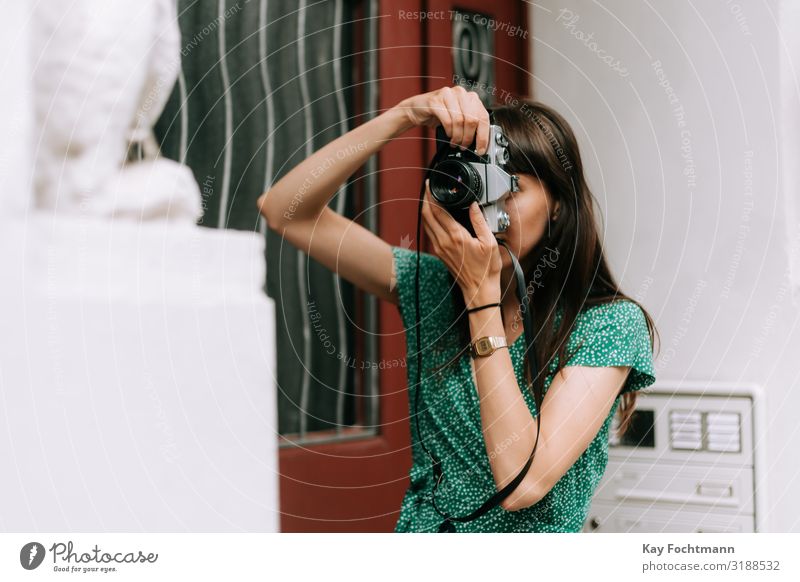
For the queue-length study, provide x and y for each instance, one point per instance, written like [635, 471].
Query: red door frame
[357, 486]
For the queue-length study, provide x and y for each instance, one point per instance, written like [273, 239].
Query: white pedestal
[137, 379]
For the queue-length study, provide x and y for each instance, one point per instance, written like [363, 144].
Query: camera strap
[447, 525]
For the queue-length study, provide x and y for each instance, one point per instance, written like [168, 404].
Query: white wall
[699, 212]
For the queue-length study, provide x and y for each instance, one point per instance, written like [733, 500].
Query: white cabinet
[688, 463]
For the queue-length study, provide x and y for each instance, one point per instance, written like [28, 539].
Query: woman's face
[529, 211]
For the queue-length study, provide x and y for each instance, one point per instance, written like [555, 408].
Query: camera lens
[455, 184]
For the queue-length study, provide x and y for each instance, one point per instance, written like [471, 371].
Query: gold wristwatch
[487, 345]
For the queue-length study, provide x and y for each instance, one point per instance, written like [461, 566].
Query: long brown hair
[542, 144]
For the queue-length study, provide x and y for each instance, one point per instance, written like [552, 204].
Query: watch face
[484, 346]
[487, 345]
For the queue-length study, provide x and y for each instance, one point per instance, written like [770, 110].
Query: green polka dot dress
[614, 334]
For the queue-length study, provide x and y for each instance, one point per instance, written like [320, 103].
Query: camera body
[461, 177]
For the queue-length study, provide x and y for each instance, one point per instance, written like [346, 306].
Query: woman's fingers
[452, 242]
[453, 230]
[431, 234]
[456, 115]
[482, 136]
[463, 116]
[471, 110]
[459, 111]
[440, 111]
[449, 234]
[482, 230]
[432, 223]
[485, 235]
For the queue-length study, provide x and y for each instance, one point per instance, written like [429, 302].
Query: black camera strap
[447, 525]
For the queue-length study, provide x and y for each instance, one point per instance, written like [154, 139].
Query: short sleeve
[435, 286]
[614, 334]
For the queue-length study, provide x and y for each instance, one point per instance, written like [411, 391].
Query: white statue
[102, 72]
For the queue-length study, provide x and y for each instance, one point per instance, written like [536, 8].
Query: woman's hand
[474, 262]
[459, 111]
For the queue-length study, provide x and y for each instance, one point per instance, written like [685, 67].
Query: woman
[478, 416]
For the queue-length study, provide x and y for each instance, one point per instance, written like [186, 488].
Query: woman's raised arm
[297, 205]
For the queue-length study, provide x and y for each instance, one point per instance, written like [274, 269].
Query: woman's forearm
[509, 428]
[306, 189]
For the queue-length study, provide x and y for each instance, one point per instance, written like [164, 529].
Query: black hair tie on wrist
[483, 307]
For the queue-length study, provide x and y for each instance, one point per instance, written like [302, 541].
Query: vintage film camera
[460, 177]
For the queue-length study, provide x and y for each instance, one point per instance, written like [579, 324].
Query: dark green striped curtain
[263, 85]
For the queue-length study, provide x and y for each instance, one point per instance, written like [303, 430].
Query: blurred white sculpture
[16, 113]
[102, 73]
